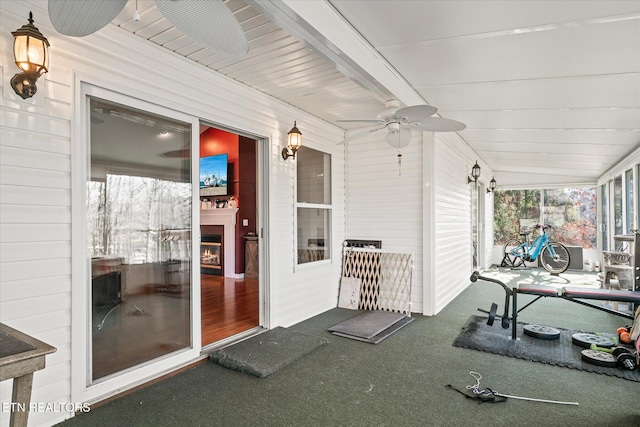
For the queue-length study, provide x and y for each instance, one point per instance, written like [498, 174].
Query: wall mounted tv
[213, 175]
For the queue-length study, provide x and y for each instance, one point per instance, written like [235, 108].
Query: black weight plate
[492, 314]
[541, 332]
[585, 340]
[599, 358]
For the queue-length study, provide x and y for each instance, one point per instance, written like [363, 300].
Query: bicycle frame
[532, 251]
[553, 256]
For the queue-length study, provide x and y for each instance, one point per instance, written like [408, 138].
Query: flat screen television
[213, 175]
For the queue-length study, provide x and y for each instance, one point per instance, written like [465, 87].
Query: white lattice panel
[385, 278]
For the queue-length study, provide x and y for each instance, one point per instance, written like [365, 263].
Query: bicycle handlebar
[544, 227]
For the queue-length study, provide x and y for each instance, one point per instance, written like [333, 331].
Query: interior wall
[242, 162]
[246, 185]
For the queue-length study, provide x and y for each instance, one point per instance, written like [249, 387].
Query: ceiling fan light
[399, 139]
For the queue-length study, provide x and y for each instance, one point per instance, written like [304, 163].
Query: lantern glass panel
[30, 54]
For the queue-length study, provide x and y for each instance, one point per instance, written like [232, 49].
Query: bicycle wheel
[513, 253]
[557, 264]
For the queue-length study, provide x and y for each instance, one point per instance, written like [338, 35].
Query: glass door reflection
[139, 220]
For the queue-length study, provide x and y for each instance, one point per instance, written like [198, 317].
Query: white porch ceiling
[549, 90]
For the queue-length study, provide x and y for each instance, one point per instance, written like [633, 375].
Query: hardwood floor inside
[229, 306]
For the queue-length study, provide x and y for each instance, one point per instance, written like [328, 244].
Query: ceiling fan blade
[362, 121]
[399, 139]
[81, 18]
[360, 134]
[438, 124]
[181, 154]
[209, 23]
[416, 113]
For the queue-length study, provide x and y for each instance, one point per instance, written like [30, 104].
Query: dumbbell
[624, 334]
[624, 357]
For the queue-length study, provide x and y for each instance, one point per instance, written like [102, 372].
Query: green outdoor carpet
[264, 354]
[477, 335]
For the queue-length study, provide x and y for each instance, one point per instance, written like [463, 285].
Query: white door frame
[82, 390]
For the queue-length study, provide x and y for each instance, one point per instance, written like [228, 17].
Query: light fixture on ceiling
[294, 142]
[30, 51]
[475, 174]
[492, 185]
[399, 138]
[136, 14]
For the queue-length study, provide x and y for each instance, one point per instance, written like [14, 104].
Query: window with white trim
[313, 205]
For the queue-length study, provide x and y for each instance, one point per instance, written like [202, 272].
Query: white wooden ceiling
[549, 90]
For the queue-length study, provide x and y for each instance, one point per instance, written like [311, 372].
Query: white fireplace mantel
[227, 218]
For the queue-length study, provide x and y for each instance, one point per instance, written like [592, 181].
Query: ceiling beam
[321, 28]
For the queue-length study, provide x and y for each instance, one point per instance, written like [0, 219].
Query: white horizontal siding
[35, 196]
[35, 266]
[29, 140]
[383, 205]
[38, 305]
[488, 237]
[35, 178]
[33, 288]
[452, 204]
[33, 159]
[452, 198]
[306, 290]
[33, 232]
[36, 280]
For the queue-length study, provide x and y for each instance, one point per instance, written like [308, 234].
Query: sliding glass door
[139, 222]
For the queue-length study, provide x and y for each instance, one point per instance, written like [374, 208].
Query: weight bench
[574, 294]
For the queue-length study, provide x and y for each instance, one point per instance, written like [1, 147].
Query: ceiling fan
[399, 122]
[209, 23]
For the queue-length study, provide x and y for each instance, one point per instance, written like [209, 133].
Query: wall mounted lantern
[475, 174]
[30, 51]
[294, 142]
[492, 185]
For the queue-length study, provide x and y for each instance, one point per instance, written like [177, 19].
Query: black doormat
[477, 335]
[264, 354]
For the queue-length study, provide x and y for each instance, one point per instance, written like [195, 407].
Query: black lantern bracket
[492, 185]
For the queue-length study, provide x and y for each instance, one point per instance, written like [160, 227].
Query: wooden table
[20, 356]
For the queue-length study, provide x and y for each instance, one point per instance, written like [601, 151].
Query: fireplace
[221, 222]
[211, 254]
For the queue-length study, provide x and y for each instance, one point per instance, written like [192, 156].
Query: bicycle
[554, 256]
